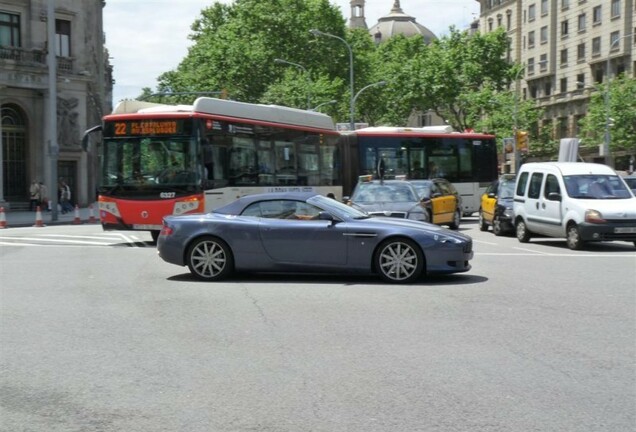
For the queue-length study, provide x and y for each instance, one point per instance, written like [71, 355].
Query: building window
[547, 88]
[598, 75]
[544, 34]
[564, 85]
[499, 20]
[564, 28]
[508, 20]
[489, 24]
[531, 39]
[543, 62]
[616, 9]
[10, 29]
[530, 66]
[532, 12]
[544, 7]
[596, 46]
[63, 38]
[565, 4]
[582, 22]
[564, 57]
[562, 127]
[580, 81]
[615, 38]
[580, 53]
[597, 15]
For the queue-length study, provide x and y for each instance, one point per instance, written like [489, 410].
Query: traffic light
[522, 141]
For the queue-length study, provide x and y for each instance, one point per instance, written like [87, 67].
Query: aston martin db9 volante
[304, 232]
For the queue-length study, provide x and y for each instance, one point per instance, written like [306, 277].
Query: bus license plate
[628, 230]
[147, 227]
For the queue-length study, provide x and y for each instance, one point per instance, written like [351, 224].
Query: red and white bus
[157, 160]
[467, 160]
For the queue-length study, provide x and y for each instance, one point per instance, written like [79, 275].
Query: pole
[52, 148]
[515, 126]
[379, 83]
[352, 123]
[301, 67]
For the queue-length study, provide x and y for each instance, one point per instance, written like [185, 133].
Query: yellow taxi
[441, 200]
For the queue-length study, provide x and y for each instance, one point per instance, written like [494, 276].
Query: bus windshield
[135, 163]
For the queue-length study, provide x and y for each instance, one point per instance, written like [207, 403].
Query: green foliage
[622, 109]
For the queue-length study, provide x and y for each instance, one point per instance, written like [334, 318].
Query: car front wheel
[210, 259]
[483, 226]
[496, 226]
[457, 219]
[573, 237]
[399, 261]
[523, 235]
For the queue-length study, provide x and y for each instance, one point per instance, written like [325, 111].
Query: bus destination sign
[145, 127]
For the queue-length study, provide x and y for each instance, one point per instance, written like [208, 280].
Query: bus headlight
[109, 207]
[183, 207]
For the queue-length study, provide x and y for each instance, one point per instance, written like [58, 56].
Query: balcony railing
[34, 57]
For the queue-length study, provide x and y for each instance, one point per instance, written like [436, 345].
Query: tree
[622, 111]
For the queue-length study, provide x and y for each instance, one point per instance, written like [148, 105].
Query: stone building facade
[83, 89]
[566, 47]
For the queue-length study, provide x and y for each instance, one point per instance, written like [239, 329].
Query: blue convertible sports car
[304, 232]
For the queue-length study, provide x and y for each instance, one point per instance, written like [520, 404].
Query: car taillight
[166, 230]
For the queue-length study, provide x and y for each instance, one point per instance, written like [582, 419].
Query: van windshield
[594, 186]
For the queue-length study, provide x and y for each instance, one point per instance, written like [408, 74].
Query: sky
[146, 38]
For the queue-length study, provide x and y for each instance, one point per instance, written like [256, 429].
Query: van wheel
[523, 235]
[483, 226]
[573, 237]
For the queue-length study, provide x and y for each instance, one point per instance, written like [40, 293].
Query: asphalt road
[98, 334]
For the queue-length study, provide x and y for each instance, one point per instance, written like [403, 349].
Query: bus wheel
[155, 235]
[399, 261]
[210, 259]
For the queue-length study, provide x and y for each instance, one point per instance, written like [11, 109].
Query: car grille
[394, 214]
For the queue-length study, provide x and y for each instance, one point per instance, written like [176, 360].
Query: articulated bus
[157, 160]
[468, 160]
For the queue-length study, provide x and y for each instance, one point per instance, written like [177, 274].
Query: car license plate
[628, 230]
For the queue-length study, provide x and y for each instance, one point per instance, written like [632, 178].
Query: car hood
[611, 208]
[506, 202]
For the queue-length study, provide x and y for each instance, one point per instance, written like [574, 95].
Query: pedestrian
[34, 191]
[45, 203]
[65, 197]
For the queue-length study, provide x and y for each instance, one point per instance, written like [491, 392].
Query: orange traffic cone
[3, 218]
[38, 218]
[77, 220]
[91, 216]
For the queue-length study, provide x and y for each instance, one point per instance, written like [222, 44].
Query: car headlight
[594, 216]
[508, 213]
[445, 239]
[417, 216]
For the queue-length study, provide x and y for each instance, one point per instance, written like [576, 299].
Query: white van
[577, 201]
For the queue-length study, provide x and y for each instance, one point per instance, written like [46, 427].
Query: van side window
[535, 185]
[551, 185]
[521, 183]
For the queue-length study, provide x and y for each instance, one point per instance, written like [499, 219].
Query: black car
[497, 206]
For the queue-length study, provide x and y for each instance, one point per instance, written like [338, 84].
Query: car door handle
[543, 206]
[537, 205]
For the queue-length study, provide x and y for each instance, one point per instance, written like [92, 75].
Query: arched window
[14, 153]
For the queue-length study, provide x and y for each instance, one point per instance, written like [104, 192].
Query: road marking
[533, 251]
[549, 255]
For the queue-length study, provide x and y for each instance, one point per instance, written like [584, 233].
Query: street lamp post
[331, 102]
[377, 84]
[606, 141]
[316, 32]
[301, 67]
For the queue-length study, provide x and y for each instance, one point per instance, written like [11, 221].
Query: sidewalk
[15, 219]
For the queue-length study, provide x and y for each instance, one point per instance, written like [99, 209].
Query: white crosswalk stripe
[71, 240]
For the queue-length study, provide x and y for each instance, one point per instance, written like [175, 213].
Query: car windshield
[631, 182]
[594, 186]
[423, 188]
[506, 189]
[369, 193]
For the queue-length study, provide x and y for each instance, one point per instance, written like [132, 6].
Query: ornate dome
[397, 22]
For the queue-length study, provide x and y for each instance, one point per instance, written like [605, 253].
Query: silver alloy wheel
[209, 259]
[523, 235]
[399, 261]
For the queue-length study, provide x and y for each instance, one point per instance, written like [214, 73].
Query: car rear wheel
[523, 235]
[483, 226]
[399, 261]
[210, 259]
[573, 237]
[496, 226]
[457, 219]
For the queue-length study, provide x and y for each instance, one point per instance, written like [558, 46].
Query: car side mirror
[554, 196]
[492, 195]
[323, 215]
